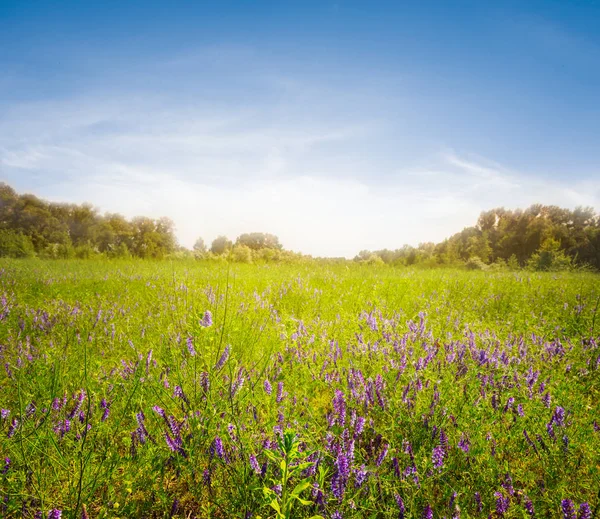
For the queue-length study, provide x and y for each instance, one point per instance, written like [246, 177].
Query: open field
[328, 391]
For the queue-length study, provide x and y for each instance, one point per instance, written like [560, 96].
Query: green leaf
[275, 506]
[301, 487]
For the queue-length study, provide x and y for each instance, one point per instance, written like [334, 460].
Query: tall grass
[463, 393]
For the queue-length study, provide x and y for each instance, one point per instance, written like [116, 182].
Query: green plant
[287, 459]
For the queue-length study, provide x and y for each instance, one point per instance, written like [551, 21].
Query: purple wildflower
[178, 393]
[401, 508]
[427, 512]
[382, 454]
[559, 416]
[224, 357]
[254, 464]
[568, 509]
[106, 406]
[339, 404]
[550, 429]
[159, 411]
[529, 508]
[7, 463]
[585, 511]
[502, 503]
[360, 425]
[218, 445]
[206, 477]
[54, 514]
[443, 439]
[4, 413]
[360, 476]
[141, 432]
[280, 394]
[437, 457]
[546, 399]
[509, 404]
[207, 319]
[340, 478]
[13, 428]
[464, 444]
[175, 443]
[267, 387]
[190, 347]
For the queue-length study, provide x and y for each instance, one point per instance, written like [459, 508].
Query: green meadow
[183, 389]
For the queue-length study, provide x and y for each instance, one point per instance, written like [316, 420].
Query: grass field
[188, 389]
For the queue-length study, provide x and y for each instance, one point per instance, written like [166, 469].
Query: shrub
[15, 245]
[475, 263]
[241, 254]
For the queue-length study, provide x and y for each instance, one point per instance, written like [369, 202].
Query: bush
[550, 258]
[475, 263]
[120, 251]
[15, 245]
[58, 251]
[85, 251]
[241, 254]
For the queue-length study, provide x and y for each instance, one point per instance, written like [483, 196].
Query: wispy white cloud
[291, 171]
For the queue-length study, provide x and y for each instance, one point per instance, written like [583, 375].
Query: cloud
[217, 170]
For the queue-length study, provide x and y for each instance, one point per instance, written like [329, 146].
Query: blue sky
[338, 126]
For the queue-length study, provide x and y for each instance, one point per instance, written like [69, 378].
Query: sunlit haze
[337, 126]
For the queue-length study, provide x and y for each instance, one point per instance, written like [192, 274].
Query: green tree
[259, 240]
[220, 245]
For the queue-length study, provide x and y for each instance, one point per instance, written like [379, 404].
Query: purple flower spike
[13, 428]
[55, 514]
[219, 448]
[585, 512]
[254, 464]
[437, 457]
[559, 416]
[224, 357]
[280, 394]
[401, 508]
[529, 508]
[464, 444]
[159, 411]
[339, 405]
[427, 512]
[568, 509]
[207, 319]
[190, 347]
[382, 454]
[502, 504]
[267, 386]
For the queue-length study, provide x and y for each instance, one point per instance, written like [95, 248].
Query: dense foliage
[29, 226]
[197, 389]
[540, 237]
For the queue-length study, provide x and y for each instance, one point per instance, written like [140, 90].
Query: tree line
[30, 226]
[540, 237]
